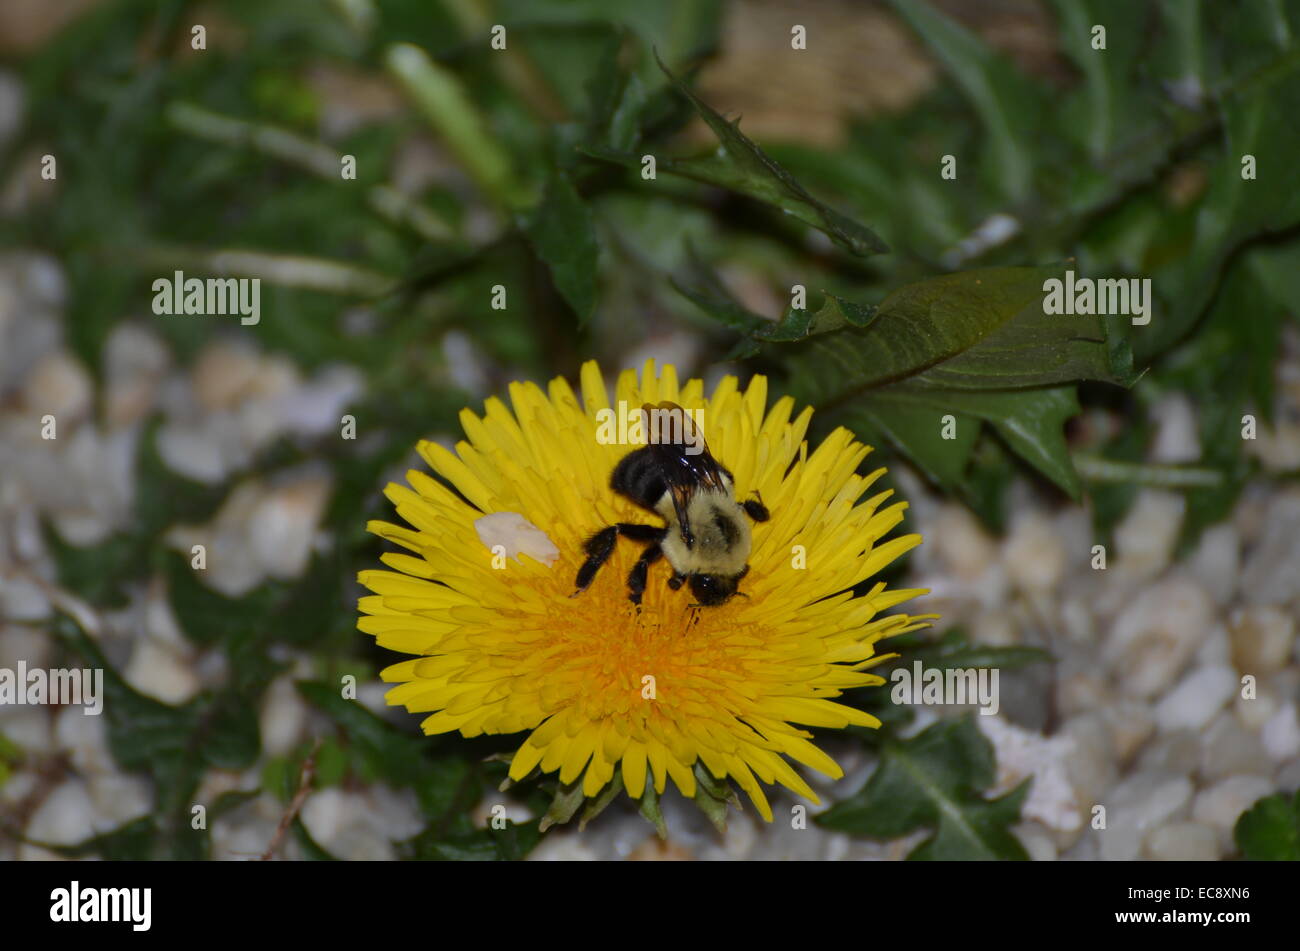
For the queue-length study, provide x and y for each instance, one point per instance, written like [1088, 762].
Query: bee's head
[712, 590]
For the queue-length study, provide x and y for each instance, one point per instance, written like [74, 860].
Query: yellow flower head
[601, 684]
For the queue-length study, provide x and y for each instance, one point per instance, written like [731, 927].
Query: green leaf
[1277, 269]
[1031, 421]
[918, 432]
[954, 651]
[1259, 121]
[443, 100]
[231, 739]
[563, 234]
[978, 329]
[464, 843]
[1227, 369]
[698, 283]
[617, 97]
[1109, 88]
[1269, 831]
[205, 616]
[836, 313]
[1007, 102]
[741, 166]
[933, 781]
[400, 759]
[976, 345]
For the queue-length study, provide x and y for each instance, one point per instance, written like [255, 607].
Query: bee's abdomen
[727, 528]
[637, 476]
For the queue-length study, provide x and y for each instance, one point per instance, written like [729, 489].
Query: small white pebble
[64, 817]
[158, 672]
[1033, 553]
[1197, 698]
[1281, 734]
[1145, 537]
[1182, 842]
[1222, 804]
[1261, 638]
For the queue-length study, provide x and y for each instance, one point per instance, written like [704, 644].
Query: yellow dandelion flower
[654, 690]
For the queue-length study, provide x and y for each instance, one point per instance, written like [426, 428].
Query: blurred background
[382, 166]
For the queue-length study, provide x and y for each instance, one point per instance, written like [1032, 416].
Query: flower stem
[315, 157]
[1096, 469]
[439, 95]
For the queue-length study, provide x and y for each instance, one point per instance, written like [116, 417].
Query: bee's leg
[636, 580]
[598, 548]
[756, 510]
[676, 581]
[601, 545]
[640, 533]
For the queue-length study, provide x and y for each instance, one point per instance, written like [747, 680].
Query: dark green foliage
[935, 781]
[1270, 830]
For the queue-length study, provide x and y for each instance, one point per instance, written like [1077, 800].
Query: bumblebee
[706, 538]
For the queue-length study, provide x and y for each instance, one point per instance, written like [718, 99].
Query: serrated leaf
[836, 313]
[1269, 831]
[933, 781]
[1032, 422]
[563, 235]
[976, 345]
[979, 329]
[984, 832]
[741, 166]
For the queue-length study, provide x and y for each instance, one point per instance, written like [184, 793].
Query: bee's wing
[683, 471]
